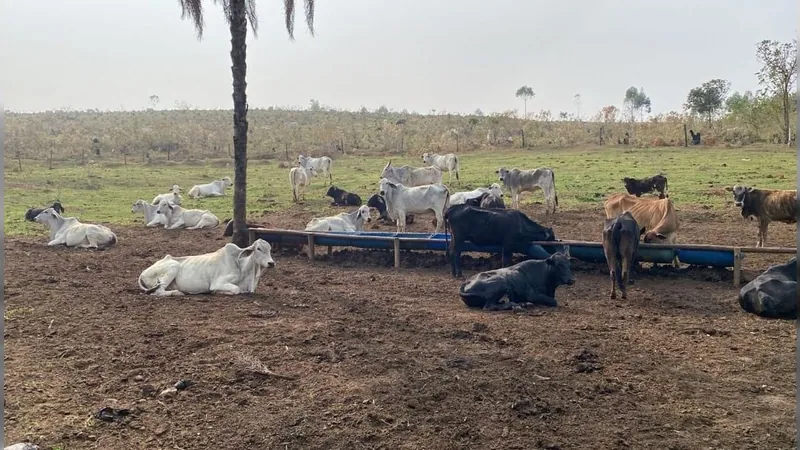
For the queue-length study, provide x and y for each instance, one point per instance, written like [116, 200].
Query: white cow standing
[230, 270]
[300, 178]
[177, 217]
[459, 198]
[448, 162]
[519, 181]
[72, 233]
[149, 210]
[322, 165]
[352, 221]
[411, 176]
[214, 189]
[402, 200]
[173, 196]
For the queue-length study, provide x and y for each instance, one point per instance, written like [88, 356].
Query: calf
[192, 219]
[448, 162]
[766, 205]
[530, 281]
[487, 200]
[379, 203]
[401, 200]
[412, 176]
[230, 270]
[300, 178]
[519, 181]
[214, 189]
[656, 218]
[620, 244]
[72, 233]
[637, 187]
[343, 198]
[460, 198]
[149, 210]
[511, 229]
[31, 213]
[173, 196]
[321, 165]
[352, 221]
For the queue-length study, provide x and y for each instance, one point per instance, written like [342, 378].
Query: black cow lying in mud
[637, 187]
[343, 198]
[379, 203]
[772, 294]
[530, 281]
[31, 213]
[509, 228]
[620, 244]
[487, 200]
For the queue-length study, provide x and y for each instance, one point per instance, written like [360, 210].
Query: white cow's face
[502, 173]
[425, 158]
[176, 189]
[496, 190]
[385, 186]
[46, 216]
[226, 181]
[164, 207]
[138, 206]
[363, 213]
[261, 252]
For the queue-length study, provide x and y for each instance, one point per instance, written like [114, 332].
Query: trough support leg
[311, 246]
[330, 251]
[737, 267]
[396, 253]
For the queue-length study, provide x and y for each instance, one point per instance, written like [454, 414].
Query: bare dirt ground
[391, 359]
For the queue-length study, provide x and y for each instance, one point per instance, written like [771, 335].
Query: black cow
[509, 228]
[31, 213]
[772, 294]
[343, 198]
[379, 203]
[620, 244]
[646, 185]
[487, 200]
[530, 281]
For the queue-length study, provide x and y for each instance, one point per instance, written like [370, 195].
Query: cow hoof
[613, 296]
[624, 296]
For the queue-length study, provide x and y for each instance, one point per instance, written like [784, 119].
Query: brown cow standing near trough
[656, 218]
[620, 244]
[637, 187]
[766, 205]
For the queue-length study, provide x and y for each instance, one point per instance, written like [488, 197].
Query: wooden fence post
[737, 266]
[396, 253]
[311, 246]
[685, 136]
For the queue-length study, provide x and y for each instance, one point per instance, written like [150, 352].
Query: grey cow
[518, 181]
[412, 176]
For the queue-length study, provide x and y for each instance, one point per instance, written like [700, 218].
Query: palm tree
[238, 13]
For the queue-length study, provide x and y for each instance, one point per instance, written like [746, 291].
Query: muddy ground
[391, 359]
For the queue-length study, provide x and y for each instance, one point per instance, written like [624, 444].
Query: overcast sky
[454, 55]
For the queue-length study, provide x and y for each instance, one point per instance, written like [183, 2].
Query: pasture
[392, 359]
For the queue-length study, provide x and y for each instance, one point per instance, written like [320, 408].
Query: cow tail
[666, 188]
[616, 235]
[555, 193]
[446, 220]
[147, 290]
[458, 166]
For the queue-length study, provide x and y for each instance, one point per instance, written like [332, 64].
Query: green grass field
[105, 192]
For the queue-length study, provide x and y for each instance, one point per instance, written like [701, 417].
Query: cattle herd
[478, 216]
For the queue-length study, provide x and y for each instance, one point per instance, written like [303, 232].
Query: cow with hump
[766, 205]
[72, 233]
[411, 176]
[402, 200]
[518, 181]
[531, 281]
[508, 228]
[620, 244]
[230, 270]
[656, 218]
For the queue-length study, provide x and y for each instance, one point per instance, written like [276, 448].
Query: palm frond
[288, 7]
[193, 10]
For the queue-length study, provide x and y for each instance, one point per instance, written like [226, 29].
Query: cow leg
[507, 254]
[537, 298]
[611, 259]
[169, 272]
[762, 233]
[455, 261]
[178, 223]
[223, 285]
[439, 219]
[59, 240]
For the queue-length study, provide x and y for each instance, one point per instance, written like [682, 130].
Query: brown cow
[766, 205]
[656, 218]
[620, 244]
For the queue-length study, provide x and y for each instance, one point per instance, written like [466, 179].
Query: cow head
[260, 251]
[377, 202]
[176, 189]
[226, 182]
[630, 184]
[502, 173]
[57, 207]
[739, 194]
[138, 206]
[386, 186]
[363, 214]
[561, 269]
[652, 237]
[165, 207]
[301, 159]
[496, 189]
[426, 158]
[387, 169]
[334, 192]
[47, 216]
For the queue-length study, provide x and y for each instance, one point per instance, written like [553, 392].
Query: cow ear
[660, 236]
[391, 185]
[550, 261]
[171, 208]
[750, 189]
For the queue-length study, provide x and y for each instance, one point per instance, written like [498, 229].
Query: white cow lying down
[214, 189]
[173, 196]
[174, 216]
[149, 211]
[68, 231]
[230, 270]
[352, 221]
[460, 198]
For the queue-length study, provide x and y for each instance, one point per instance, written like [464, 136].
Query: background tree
[154, 101]
[238, 13]
[525, 93]
[778, 74]
[609, 113]
[577, 100]
[708, 99]
[636, 103]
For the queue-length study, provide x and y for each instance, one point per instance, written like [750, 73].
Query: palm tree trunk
[238, 23]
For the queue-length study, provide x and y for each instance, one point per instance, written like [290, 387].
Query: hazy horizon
[419, 56]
